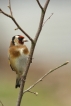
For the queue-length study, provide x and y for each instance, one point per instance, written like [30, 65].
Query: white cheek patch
[16, 41]
[16, 36]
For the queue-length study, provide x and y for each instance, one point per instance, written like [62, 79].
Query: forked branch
[28, 90]
[47, 19]
[41, 20]
[16, 23]
[10, 8]
[40, 5]
[31, 53]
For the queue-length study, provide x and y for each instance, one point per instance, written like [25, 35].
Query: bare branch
[31, 54]
[16, 28]
[47, 19]
[46, 5]
[41, 21]
[40, 5]
[25, 75]
[10, 8]
[45, 76]
[36, 93]
[1, 11]
[1, 103]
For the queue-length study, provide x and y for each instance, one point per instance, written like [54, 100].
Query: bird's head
[18, 40]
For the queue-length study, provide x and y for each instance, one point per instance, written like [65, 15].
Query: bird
[18, 56]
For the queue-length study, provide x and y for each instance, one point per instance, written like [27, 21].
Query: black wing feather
[11, 67]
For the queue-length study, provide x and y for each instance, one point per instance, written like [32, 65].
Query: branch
[45, 76]
[41, 21]
[16, 28]
[1, 103]
[36, 93]
[47, 19]
[25, 75]
[40, 5]
[1, 11]
[31, 54]
[10, 8]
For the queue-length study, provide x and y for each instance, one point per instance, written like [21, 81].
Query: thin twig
[1, 103]
[40, 5]
[1, 11]
[47, 19]
[36, 93]
[41, 21]
[16, 28]
[45, 76]
[46, 5]
[10, 8]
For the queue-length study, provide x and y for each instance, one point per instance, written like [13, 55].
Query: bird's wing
[9, 63]
[12, 68]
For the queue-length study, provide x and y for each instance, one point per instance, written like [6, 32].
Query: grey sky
[55, 37]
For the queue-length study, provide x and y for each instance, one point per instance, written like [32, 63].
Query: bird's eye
[20, 40]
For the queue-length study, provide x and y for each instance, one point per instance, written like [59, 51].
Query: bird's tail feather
[18, 82]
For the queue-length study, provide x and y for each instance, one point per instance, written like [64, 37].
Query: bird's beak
[25, 40]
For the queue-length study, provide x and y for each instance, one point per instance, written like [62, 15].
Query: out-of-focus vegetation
[46, 96]
[54, 90]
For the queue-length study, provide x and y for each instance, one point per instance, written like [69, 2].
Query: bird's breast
[18, 60]
[21, 62]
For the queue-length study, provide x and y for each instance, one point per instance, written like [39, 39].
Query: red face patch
[21, 39]
[21, 36]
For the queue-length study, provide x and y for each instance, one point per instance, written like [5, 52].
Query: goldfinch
[18, 56]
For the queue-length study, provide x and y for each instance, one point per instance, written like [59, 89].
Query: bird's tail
[18, 81]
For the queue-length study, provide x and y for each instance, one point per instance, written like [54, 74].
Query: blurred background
[52, 49]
